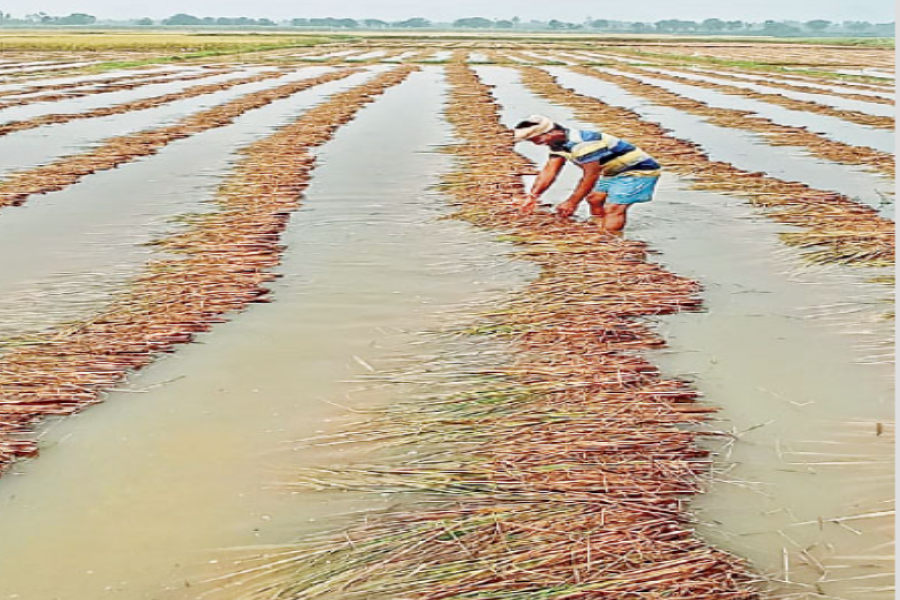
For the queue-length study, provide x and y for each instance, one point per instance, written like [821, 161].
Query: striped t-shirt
[614, 155]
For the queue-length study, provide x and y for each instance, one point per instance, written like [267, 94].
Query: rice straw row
[734, 75]
[132, 74]
[136, 105]
[17, 187]
[220, 265]
[853, 116]
[73, 90]
[834, 228]
[564, 474]
[777, 134]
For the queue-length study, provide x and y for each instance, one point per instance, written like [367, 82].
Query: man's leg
[614, 218]
[596, 201]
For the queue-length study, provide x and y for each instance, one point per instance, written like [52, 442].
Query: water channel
[131, 497]
[808, 480]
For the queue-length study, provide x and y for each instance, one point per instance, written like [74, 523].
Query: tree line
[711, 26]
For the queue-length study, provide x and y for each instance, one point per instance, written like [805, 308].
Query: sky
[878, 11]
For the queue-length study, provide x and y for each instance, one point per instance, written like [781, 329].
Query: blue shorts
[627, 189]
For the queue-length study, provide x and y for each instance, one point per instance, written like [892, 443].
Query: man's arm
[590, 175]
[543, 182]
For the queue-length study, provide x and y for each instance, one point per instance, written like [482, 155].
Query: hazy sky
[565, 10]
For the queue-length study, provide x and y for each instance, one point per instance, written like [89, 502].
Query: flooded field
[273, 326]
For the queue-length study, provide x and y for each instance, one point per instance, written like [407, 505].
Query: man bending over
[615, 174]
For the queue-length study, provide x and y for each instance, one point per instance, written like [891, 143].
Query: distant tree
[554, 24]
[473, 22]
[414, 22]
[818, 25]
[375, 23]
[713, 25]
[516, 21]
[639, 27]
[145, 22]
[300, 22]
[735, 25]
[858, 26]
[779, 29]
[600, 24]
[182, 19]
[504, 24]
[208, 20]
[266, 22]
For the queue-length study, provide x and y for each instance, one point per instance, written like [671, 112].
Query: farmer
[615, 174]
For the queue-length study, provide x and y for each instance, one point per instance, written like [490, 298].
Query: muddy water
[841, 103]
[42, 145]
[42, 68]
[770, 78]
[77, 105]
[41, 96]
[831, 127]
[793, 357]
[64, 253]
[87, 79]
[131, 496]
[743, 149]
[367, 56]
[867, 72]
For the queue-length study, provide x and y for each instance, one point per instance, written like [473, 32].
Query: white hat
[541, 124]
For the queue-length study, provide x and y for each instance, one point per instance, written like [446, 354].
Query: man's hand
[528, 204]
[566, 209]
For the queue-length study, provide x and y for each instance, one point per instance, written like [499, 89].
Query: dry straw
[68, 170]
[833, 227]
[777, 134]
[565, 474]
[220, 266]
[102, 86]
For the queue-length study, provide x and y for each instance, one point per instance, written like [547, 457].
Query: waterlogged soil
[210, 432]
[87, 103]
[800, 363]
[836, 88]
[88, 79]
[841, 103]
[795, 359]
[42, 145]
[830, 127]
[67, 251]
[743, 149]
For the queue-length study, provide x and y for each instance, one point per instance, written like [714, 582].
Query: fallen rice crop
[799, 87]
[853, 116]
[135, 105]
[222, 262]
[777, 134]
[834, 228]
[567, 478]
[70, 91]
[16, 188]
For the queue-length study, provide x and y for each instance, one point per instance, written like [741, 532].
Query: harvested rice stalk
[222, 262]
[841, 230]
[16, 188]
[118, 84]
[798, 87]
[142, 104]
[566, 479]
[853, 116]
[52, 87]
[779, 135]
